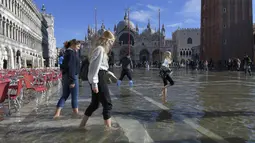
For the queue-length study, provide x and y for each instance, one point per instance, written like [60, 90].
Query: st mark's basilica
[145, 45]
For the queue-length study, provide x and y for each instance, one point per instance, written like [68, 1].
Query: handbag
[110, 77]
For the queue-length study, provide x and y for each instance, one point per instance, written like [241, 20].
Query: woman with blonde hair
[165, 73]
[98, 68]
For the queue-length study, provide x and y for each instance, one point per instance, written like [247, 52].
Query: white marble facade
[23, 35]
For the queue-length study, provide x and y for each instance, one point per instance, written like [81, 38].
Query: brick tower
[226, 29]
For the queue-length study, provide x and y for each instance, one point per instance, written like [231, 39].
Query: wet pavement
[202, 108]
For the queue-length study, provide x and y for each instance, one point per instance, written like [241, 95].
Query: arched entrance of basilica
[144, 55]
[125, 51]
[123, 39]
[157, 56]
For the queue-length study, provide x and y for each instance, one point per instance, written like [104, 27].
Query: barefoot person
[98, 68]
[165, 73]
[70, 69]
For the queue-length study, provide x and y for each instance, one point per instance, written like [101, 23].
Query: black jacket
[126, 63]
[71, 64]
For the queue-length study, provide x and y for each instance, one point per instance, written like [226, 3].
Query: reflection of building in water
[144, 45]
[26, 35]
[230, 104]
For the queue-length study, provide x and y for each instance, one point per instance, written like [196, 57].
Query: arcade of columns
[23, 35]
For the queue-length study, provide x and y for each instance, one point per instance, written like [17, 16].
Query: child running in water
[127, 67]
[165, 73]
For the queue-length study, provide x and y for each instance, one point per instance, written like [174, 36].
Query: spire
[115, 28]
[149, 24]
[125, 17]
[43, 8]
[103, 26]
[89, 29]
[163, 28]
[137, 28]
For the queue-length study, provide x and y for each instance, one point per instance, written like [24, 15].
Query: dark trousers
[125, 72]
[103, 97]
[247, 69]
[168, 78]
[165, 74]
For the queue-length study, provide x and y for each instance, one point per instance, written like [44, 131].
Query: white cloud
[144, 15]
[77, 34]
[175, 25]
[140, 16]
[141, 28]
[180, 24]
[154, 8]
[190, 13]
[189, 21]
[191, 8]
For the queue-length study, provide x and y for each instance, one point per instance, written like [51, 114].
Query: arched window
[7, 28]
[187, 53]
[189, 41]
[190, 53]
[181, 53]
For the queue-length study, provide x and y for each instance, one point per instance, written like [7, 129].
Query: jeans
[67, 91]
[103, 97]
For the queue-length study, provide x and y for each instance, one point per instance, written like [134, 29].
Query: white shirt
[166, 63]
[98, 61]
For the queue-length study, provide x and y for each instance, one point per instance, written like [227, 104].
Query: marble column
[25, 62]
[33, 62]
[14, 59]
[1, 57]
[38, 62]
[19, 62]
[10, 58]
[42, 60]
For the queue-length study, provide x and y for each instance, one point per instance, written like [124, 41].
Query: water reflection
[224, 112]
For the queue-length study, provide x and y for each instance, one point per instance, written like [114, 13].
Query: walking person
[165, 73]
[127, 68]
[238, 62]
[98, 67]
[247, 65]
[206, 65]
[70, 70]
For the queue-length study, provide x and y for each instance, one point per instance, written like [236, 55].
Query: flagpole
[160, 54]
[128, 34]
[96, 21]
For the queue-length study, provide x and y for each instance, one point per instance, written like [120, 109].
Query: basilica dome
[124, 24]
[148, 31]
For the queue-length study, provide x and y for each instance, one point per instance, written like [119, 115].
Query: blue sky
[72, 18]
